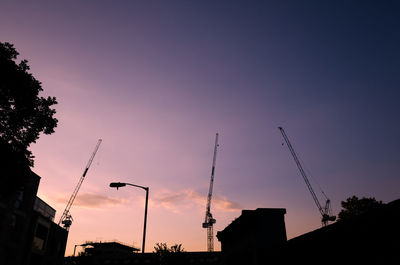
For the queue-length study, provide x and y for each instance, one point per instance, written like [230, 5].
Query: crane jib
[66, 218]
[324, 211]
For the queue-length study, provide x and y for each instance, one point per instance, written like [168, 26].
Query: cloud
[227, 205]
[91, 200]
[175, 200]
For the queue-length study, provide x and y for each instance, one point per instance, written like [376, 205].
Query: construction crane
[209, 221]
[66, 218]
[325, 211]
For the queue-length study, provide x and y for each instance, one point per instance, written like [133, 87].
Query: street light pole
[122, 184]
[145, 218]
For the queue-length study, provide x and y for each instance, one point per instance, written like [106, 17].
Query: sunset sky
[157, 79]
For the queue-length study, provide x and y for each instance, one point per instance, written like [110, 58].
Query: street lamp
[122, 184]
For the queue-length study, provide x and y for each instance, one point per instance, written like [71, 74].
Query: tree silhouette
[354, 206]
[163, 248]
[168, 255]
[23, 113]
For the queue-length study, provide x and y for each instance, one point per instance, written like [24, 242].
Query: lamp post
[122, 184]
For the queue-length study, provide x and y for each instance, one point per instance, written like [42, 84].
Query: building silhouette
[369, 238]
[28, 234]
[49, 239]
[251, 237]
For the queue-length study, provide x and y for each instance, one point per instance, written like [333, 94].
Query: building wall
[252, 236]
[24, 232]
[47, 241]
[16, 212]
[371, 238]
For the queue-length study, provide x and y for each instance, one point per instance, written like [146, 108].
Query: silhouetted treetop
[168, 255]
[23, 113]
[162, 248]
[354, 206]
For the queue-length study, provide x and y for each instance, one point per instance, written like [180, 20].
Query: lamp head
[117, 185]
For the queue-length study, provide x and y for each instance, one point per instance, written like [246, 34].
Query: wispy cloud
[174, 200]
[95, 200]
[91, 200]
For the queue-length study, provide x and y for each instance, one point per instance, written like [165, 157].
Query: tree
[354, 206]
[23, 113]
[177, 248]
[168, 255]
[163, 248]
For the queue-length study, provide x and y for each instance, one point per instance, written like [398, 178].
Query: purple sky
[157, 79]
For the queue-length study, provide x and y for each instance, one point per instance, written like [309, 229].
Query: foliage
[354, 206]
[23, 113]
[168, 255]
[14, 167]
[177, 248]
[163, 248]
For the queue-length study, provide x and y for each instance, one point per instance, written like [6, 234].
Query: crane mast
[325, 211]
[209, 221]
[66, 218]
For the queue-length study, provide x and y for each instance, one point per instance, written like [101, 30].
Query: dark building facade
[16, 215]
[28, 234]
[47, 239]
[370, 238]
[251, 237]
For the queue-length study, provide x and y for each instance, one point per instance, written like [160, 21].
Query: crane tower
[66, 218]
[325, 211]
[209, 221]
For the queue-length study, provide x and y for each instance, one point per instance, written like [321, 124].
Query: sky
[156, 80]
